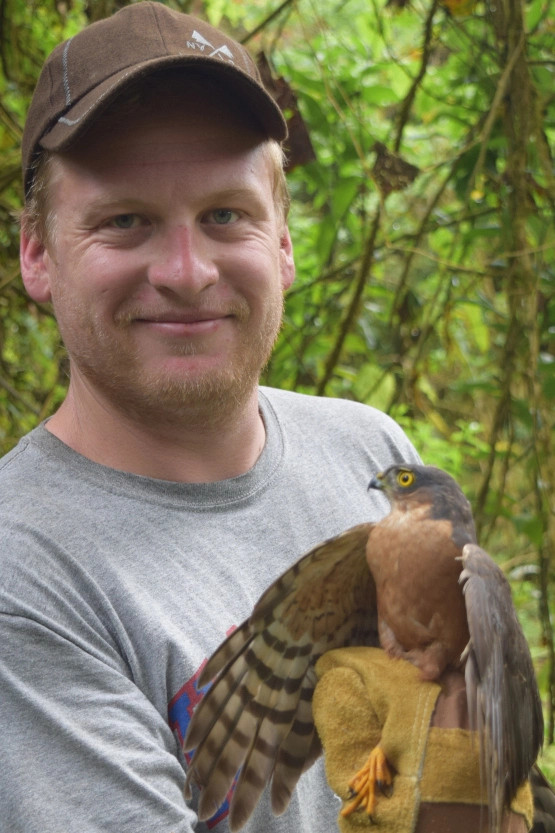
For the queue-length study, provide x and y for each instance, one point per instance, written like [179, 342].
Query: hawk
[417, 584]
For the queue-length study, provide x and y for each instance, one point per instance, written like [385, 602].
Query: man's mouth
[183, 323]
[182, 320]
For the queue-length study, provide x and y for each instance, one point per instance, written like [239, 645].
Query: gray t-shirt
[115, 588]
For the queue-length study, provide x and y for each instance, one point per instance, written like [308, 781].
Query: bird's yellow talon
[374, 775]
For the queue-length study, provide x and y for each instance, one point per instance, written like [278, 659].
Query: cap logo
[199, 42]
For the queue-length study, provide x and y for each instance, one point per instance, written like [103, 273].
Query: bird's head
[406, 485]
[400, 481]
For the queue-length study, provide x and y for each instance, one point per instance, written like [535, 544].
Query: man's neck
[190, 451]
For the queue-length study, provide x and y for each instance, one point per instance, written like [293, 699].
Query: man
[142, 521]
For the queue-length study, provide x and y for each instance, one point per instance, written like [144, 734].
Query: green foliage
[435, 302]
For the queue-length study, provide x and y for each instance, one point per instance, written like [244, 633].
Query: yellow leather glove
[364, 698]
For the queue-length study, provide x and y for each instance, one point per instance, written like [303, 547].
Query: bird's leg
[375, 774]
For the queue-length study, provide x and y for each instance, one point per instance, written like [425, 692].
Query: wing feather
[258, 713]
[298, 751]
[229, 649]
[503, 698]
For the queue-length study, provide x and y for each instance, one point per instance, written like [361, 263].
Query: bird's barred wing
[257, 716]
[503, 698]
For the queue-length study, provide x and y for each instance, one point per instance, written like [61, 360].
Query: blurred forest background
[423, 203]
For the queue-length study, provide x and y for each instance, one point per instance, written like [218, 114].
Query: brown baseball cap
[83, 75]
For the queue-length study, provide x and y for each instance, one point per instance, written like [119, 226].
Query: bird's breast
[414, 563]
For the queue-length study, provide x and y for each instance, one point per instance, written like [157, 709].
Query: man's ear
[35, 267]
[287, 261]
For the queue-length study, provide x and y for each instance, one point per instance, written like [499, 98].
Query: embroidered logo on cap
[199, 42]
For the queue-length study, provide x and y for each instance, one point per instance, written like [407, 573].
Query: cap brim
[262, 108]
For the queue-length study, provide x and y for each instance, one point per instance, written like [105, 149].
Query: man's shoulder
[19, 457]
[345, 412]
[343, 426]
[34, 455]
[36, 475]
[295, 402]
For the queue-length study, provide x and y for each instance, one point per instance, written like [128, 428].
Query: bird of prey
[417, 584]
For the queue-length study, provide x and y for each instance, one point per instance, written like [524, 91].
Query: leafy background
[428, 293]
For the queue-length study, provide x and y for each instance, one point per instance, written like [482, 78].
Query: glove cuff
[451, 773]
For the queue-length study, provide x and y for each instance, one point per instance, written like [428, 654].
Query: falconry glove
[366, 700]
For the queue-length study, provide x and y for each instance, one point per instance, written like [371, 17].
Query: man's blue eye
[125, 221]
[222, 216]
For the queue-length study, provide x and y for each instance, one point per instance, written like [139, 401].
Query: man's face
[168, 259]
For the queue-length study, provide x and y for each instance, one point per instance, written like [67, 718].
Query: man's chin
[205, 398]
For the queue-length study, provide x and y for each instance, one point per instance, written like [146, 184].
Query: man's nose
[183, 262]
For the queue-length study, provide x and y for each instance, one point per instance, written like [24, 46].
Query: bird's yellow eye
[405, 478]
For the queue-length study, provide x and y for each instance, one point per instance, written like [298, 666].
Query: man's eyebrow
[118, 205]
[217, 194]
[234, 193]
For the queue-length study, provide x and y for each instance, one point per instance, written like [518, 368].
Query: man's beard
[206, 399]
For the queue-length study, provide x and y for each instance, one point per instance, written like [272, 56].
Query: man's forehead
[147, 171]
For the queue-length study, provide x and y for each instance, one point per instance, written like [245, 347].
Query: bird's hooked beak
[377, 482]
